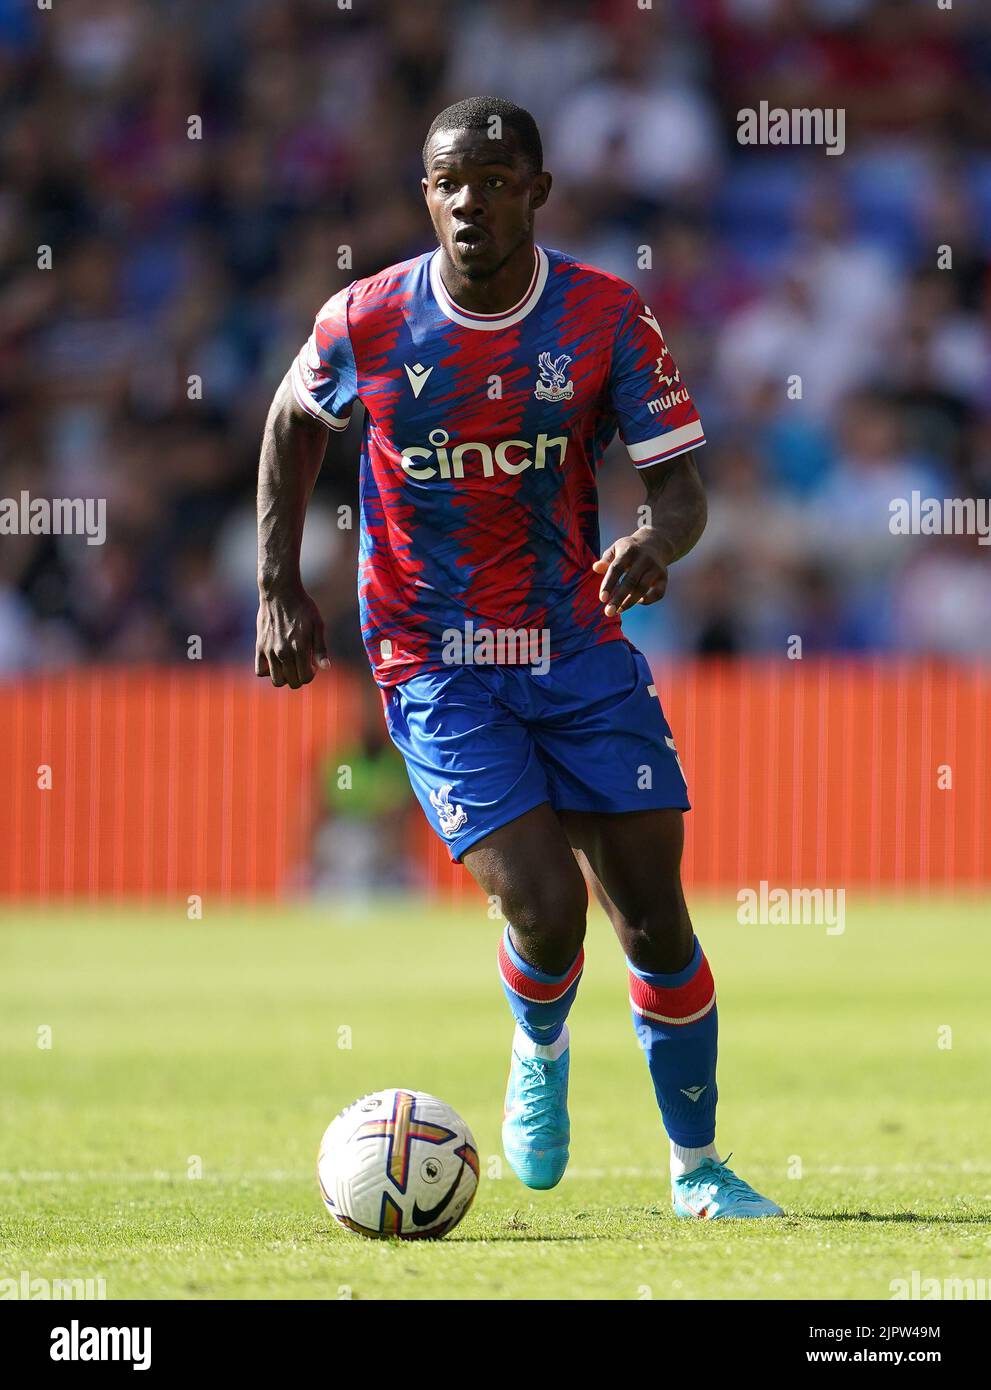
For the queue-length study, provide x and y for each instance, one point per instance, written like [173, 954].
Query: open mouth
[469, 237]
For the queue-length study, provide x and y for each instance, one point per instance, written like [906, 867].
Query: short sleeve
[657, 417]
[324, 377]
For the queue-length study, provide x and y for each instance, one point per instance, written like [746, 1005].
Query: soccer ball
[398, 1163]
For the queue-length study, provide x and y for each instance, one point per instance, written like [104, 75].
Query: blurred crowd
[194, 170]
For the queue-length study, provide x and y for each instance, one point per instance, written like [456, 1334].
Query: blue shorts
[484, 744]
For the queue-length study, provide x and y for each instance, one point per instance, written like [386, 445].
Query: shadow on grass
[657, 1225]
[894, 1217]
[667, 1224]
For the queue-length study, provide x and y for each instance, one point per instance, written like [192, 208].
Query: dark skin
[538, 866]
[291, 645]
[482, 196]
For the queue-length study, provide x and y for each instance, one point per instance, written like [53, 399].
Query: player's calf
[675, 1019]
[676, 1024]
[529, 866]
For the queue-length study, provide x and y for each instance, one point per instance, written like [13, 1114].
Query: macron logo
[694, 1092]
[647, 317]
[417, 374]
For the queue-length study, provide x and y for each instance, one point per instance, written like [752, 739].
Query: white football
[398, 1163]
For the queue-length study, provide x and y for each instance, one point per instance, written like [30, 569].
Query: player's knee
[548, 918]
[657, 933]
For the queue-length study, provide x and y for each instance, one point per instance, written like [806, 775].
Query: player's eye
[445, 185]
[495, 181]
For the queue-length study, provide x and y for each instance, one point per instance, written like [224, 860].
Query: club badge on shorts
[451, 818]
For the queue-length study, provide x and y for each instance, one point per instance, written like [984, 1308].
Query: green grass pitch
[219, 1046]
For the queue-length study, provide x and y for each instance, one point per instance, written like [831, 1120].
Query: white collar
[487, 322]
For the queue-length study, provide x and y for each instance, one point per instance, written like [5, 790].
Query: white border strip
[663, 1018]
[664, 446]
[312, 406]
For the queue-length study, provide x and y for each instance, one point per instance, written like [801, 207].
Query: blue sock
[674, 1017]
[540, 1002]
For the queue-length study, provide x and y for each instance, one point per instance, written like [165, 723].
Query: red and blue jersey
[483, 434]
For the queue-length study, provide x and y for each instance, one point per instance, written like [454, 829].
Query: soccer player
[493, 373]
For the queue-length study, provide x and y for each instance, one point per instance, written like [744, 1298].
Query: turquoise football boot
[535, 1125]
[712, 1192]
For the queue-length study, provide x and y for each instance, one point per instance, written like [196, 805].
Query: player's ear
[540, 189]
[425, 185]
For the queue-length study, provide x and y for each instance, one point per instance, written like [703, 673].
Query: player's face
[482, 195]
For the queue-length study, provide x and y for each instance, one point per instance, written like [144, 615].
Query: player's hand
[635, 570]
[291, 643]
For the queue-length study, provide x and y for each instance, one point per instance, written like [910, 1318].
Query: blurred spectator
[207, 176]
[636, 135]
[874, 468]
[943, 599]
[360, 842]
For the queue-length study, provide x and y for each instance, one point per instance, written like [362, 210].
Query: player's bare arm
[290, 643]
[636, 566]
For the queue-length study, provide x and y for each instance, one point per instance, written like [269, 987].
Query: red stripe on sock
[537, 991]
[684, 1004]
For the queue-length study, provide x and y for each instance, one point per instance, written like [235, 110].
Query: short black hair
[476, 114]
